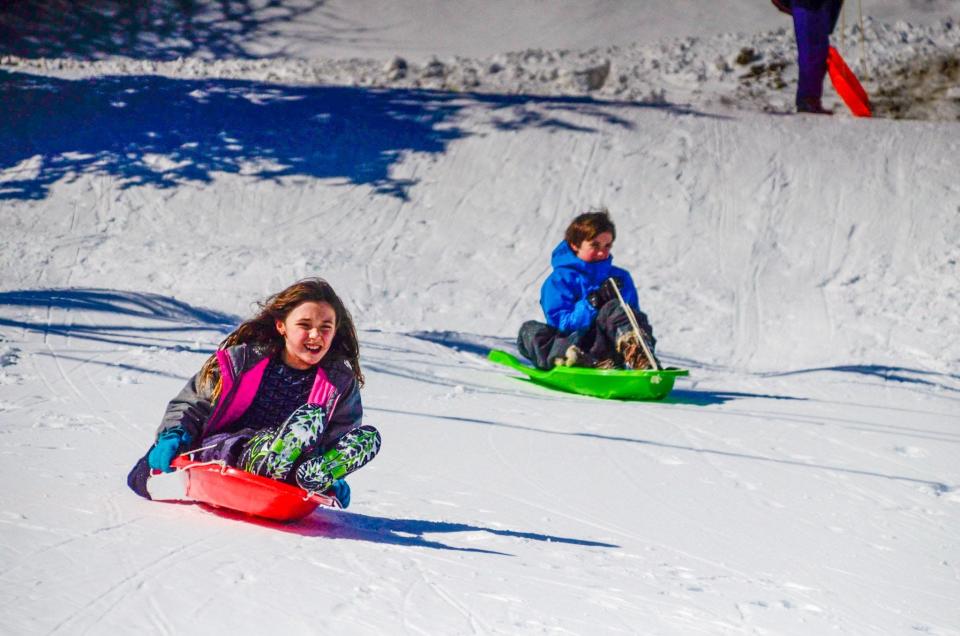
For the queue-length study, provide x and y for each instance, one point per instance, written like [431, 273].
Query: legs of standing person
[813, 21]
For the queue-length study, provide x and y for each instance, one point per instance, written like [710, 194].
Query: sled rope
[311, 493]
[636, 327]
[197, 450]
[214, 462]
[863, 46]
[863, 41]
[843, 28]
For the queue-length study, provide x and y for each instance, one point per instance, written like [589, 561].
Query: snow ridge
[751, 72]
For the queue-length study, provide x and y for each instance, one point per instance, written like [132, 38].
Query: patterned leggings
[290, 450]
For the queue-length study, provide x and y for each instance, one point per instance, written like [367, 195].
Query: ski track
[438, 590]
[682, 573]
[119, 590]
[786, 489]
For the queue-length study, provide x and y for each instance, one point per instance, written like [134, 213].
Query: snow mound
[912, 69]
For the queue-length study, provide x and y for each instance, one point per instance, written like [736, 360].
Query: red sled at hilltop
[847, 86]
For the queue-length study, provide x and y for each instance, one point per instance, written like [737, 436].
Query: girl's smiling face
[595, 249]
[307, 332]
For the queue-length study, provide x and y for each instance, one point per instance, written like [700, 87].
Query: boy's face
[595, 249]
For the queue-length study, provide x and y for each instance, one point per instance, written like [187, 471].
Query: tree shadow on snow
[164, 132]
[154, 30]
[330, 524]
[174, 315]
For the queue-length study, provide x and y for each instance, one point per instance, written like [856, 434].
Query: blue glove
[341, 490]
[163, 452]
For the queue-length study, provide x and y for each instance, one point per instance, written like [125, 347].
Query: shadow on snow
[468, 343]
[185, 318]
[698, 397]
[155, 30]
[482, 345]
[937, 487]
[330, 524]
[164, 132]
[902, 375]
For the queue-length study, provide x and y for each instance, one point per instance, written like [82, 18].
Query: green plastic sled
[619, 384]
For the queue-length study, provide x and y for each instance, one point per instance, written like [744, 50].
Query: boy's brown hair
[588, 226]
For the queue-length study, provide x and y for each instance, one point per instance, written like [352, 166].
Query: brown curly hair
[588, 226]
[261, 329]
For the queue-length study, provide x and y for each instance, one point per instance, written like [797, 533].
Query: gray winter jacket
[240, 370]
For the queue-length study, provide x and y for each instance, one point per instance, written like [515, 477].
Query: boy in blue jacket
[586, 324]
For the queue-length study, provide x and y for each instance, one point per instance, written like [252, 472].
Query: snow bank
[754, 72]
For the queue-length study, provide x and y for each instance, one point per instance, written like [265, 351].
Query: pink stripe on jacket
[323, 391]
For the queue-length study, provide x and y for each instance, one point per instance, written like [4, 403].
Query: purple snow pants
[813, 22]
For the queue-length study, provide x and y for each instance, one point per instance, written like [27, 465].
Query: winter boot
[353, 450]
[630, 349]
[606, 364]
[273, 452]
[812, 105]
[575, 357]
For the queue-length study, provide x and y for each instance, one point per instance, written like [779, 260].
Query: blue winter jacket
[563, 295]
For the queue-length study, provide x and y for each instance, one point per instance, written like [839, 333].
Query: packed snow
[912, 70]
[802, 480]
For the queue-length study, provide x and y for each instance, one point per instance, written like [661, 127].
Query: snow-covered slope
[381, 29]
[802, 480]
[769, 243]
[911, 71]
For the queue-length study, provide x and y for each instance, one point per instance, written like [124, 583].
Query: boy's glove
[341, 490]
[163, 452]
[605, 293]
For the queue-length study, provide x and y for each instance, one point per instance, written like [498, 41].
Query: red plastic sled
[225, 487]
[847, 85]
